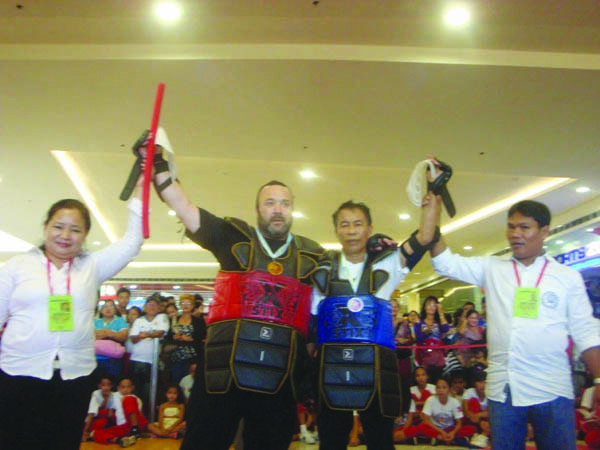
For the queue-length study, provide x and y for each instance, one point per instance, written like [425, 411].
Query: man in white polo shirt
[534, 304]
[143, 332]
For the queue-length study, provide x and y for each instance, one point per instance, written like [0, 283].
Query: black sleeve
[218, 236]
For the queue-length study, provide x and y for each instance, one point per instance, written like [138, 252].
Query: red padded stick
[150, 160]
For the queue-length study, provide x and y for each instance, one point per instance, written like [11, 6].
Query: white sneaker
[307, 438]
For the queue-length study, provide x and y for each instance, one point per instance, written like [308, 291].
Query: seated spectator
[443, 417]
[422, 390]
[170, 415]
[306, 421]
[111, 334]
[101, 410]
[143, 331]
[588, 418]
[130, 421]
[182, 335]
[404, 430]
[187, 382]
[475, 406]
[429, 332]
[457, 386]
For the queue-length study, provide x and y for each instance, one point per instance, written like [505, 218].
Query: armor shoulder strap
[242, 251]
[307, 245]
[241, 226]
[322, 274]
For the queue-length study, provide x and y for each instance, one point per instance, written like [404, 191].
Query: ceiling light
[172, 213]
[168, 11]
[504, 204]
[416, 273]
[560, 242]
[176, 287]
[468, 247]
[297, 214]
[96, 243]
[72, 170]
[457, 16]
[132, 286]
[589, 230]
[308, 174]
[582, 189]
[404, 216]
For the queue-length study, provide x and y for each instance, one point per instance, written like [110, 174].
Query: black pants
[269, 419]
[40, 414]
[335, 427]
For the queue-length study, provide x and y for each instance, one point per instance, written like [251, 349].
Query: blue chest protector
[356, 319]
[356, 340]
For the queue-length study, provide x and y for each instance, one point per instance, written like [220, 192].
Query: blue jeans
[553, 424]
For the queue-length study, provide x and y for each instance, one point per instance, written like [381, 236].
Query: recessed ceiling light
[416, 273]
[582, 189]
[172, 213]
[589, 230]
[132, 286]
[176, 287]
[457, 16]
[168, 11]
[560, 242]
[297, 214]
[308, 174]
[404, 216]
[96, 243]
[468, 247]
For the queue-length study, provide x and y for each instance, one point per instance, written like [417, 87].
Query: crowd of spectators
[442, 360]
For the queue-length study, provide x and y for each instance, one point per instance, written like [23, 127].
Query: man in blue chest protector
[354, 326]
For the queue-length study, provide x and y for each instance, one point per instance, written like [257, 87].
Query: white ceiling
[356, 91]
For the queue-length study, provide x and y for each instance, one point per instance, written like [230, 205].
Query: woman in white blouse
[47, 300]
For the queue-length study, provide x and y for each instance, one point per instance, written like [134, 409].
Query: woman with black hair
[430, 332]
[48, 297]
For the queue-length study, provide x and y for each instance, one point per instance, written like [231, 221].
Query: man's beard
[268, 231]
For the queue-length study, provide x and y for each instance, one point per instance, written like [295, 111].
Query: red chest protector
[261, 296]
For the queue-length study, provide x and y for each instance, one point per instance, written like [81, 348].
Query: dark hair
[444, 379]
[469, 303]
[456, 316]
[415, 373]
[457, 374]
[471, 312]
[350, 204]
[135, 308]
[198, 297]
[106, 376]
[124, 290]
[530, 208]
[272, 183]
[117, 313]
[180, 398]
[70, 203]
[126, 377]
[423, 314]
[171, 305]
[480, 375]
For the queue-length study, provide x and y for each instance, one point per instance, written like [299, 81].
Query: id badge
[527, 303]
[60, 313]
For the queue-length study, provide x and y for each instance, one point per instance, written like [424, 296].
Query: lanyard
[280, 251]
[539, 277]
[49, 273]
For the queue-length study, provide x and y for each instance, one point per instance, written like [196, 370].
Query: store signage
[579, 254]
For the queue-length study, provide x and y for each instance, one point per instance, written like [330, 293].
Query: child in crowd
[170, 415]
[101, 409]
[588, 418]
[130, 421]
[475, 407]
[422, 390]
[187, 382]
[306, 420]
[457, 386]
[443, 417]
